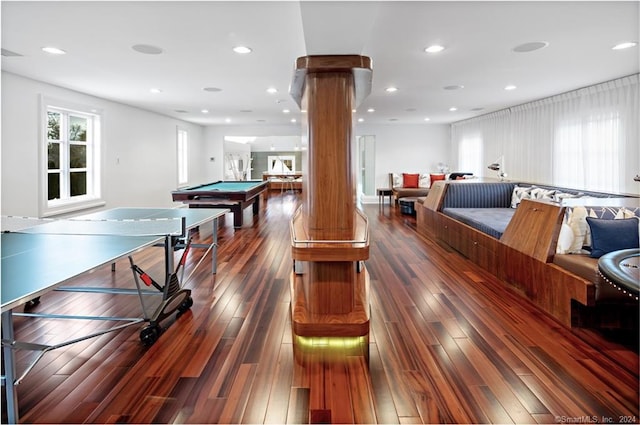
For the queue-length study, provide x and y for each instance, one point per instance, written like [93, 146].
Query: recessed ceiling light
[391, 89]
[227, 120]
[427, 119]
[204, 111]
[625, 45]
[530, 47]
[155, 90]
[454, 87]
[272, 90]
[54, 50]
[360, 119]
[243, 50]
[293, 120]
[285, 111]
[453, 109]
[371, 110]
[147, 49]
[434, 49]
[510, 87]
[212, 89]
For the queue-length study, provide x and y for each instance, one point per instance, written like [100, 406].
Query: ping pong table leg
[8, 358]
[168, 256]
[214, 251]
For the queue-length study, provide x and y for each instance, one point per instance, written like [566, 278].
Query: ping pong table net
[175, 226]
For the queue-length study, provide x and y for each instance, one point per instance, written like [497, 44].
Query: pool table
[235, 195]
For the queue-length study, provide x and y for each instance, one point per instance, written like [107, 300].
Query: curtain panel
[583, 139]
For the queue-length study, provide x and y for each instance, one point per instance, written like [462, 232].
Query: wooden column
[330, 240]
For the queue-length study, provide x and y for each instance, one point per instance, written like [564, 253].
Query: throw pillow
[520, 193]
[542, 194]
[425, 180]
[612, 235]
[624, 213]
[578, 222]
[559, 196]
[565, 239]
[410, 180]
[436, 177]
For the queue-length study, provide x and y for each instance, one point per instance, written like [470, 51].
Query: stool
[287, 183]
[407, 205]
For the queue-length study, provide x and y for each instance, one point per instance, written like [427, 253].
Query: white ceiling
[197, 38]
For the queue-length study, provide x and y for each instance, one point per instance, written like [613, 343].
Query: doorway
[366, 165]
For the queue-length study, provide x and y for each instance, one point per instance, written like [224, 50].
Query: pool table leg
[237, 215]
[256, 205]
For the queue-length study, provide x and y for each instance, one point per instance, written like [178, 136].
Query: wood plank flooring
[448, 344]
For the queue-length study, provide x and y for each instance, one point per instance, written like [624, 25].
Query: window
[183, 156]
[71, 148]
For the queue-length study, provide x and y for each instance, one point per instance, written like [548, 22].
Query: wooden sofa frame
[522, 257]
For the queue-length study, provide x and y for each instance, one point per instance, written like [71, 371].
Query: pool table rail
[234, 195]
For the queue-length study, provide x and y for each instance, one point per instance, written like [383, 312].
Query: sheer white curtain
[480, 142]
[584, 139]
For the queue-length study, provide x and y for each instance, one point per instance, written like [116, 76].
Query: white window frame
[66, 203]
[182, 156]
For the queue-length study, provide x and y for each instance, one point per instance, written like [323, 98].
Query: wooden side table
[382, 192]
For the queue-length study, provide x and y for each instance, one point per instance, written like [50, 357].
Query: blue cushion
[492, 221]
[612, 235]
[478, 195]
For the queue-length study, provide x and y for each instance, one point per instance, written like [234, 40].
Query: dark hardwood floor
[449, 344]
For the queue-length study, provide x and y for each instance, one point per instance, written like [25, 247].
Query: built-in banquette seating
[532, 238]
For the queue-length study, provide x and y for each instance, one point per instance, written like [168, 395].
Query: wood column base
[352, 323]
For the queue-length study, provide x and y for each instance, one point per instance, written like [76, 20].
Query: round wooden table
[622, 270]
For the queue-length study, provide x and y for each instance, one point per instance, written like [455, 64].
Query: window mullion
[64, 156]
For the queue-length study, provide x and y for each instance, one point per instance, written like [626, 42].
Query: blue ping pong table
[40, 258]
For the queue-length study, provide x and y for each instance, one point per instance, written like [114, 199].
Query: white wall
[408, 148]
[399, 148]
[139, 159]
[139, 149]
[214, 143]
